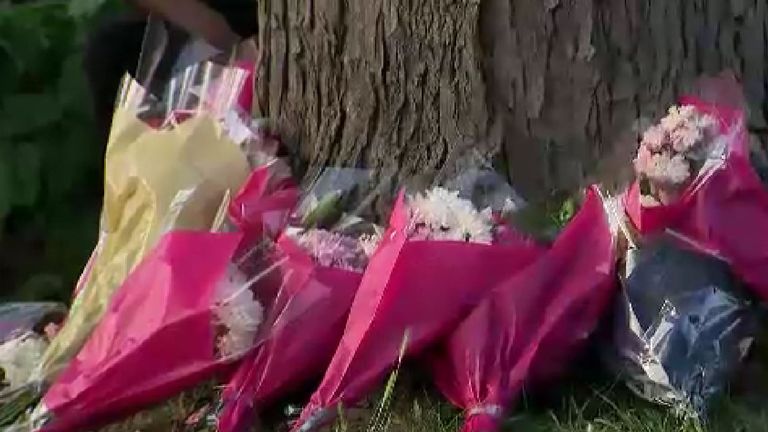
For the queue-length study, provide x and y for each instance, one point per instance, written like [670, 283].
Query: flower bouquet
[439, 257]
[263, 205]
[196, 285]
[19, 318]
[533, 322]
[25, 331]
[322, 255]
[682, 325]
[204, 164]
[701, 182]
[694, 250]
[143, 200]
[184, 289]
[672, 151]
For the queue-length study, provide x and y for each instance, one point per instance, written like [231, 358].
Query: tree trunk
[556, 87]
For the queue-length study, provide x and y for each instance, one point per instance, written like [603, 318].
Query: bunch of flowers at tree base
[440, 255]
[441, 214]
[672, 152]
[134, 359]
[321, 257]
[528, 327]
[18, 357]
[25, 332]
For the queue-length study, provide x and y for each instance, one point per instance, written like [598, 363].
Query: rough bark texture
[557, 86]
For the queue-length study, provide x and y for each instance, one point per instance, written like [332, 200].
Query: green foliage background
[50, 159]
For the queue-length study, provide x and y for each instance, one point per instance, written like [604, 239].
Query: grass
[410, 404]
[172, 416]
[579, 408]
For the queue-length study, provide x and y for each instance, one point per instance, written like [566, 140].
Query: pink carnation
[643, 160]
[665, 169]
[654, 138]
[686, 138]
[665, 153]
[684, 127]
[678, 116]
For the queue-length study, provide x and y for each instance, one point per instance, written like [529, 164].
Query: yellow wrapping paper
[156, 181]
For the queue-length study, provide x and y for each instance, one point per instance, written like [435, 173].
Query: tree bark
[558, 88]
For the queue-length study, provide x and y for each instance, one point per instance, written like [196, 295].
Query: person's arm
[195, 17]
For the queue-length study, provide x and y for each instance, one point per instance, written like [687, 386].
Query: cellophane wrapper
[205, 288]
[134, 357]
[204, 164]
[176, 78]
[534, 321]
[724, 208]
[320, 259]
[22, 317]
[25, 331]
[686, 318]
[208, 146]
[683, 324]
[169, 53]
[442, 252]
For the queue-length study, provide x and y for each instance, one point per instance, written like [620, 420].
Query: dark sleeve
[242, 15]
[112, 49]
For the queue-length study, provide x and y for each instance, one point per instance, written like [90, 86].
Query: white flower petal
[440, 214]
[19, 356]
[239, 312]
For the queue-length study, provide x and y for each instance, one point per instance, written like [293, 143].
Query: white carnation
[673, 170]
[370, 242]
[440, 214]
[433, 208]
[19, 356]
[474, 225]
[649, 201]
[239, 312]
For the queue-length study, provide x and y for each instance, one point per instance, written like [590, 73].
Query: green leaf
[25, 113]
[15, 403]
[567, 211]
[325, 213]
[24, 39]
[71, 85]
[27, 169]
[84, 8]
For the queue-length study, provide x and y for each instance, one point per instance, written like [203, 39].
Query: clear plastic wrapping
[696, 252]
[205, 287]
[533, 322]
[178, 75]
[445, 247]
[321, 257]
[181, 147]
[683, 325]
[25, 331]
